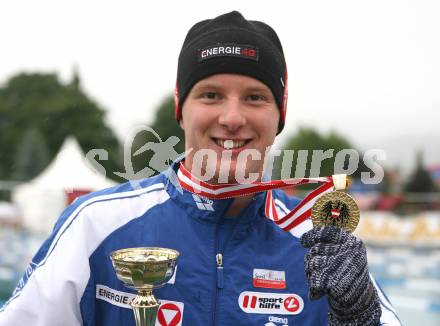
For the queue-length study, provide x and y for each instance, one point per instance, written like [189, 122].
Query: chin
[237, 173]
[226, 170]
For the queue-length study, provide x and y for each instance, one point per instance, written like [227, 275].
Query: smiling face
[225, 115]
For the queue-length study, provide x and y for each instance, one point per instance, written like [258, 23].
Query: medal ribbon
[295, 217]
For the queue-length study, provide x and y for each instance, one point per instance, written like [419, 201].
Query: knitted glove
[336, 266]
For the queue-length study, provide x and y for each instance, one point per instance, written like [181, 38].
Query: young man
[237, 267]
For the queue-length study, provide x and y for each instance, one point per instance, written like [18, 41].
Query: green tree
[420, 179]
[31, 156]
[41, 102]
[302, 162]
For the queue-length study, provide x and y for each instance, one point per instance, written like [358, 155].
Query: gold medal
[336, 208]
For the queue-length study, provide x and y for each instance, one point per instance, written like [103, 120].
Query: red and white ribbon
[296, 216]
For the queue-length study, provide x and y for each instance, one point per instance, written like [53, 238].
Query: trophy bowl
[144, 269]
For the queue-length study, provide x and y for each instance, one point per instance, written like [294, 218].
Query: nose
[232, 116]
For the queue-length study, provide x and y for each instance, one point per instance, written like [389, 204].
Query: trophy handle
[145, 308]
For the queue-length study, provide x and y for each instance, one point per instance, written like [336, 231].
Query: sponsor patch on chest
[268, 279]
[170, 313]
[270, 303]
[276, 321]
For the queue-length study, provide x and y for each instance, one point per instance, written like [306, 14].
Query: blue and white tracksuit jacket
[71, 280]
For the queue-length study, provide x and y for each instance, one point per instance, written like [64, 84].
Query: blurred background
[77, 76]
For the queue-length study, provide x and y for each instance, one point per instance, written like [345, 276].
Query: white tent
[43, 198]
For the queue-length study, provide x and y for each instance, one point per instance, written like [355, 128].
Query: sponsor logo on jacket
[204, 204]
[264, 278]
[274, 321]
[270, 303]
[170, 313]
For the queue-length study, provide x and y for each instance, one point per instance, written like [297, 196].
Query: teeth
[229, 143]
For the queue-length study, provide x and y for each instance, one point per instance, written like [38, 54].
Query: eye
[256, 97]
[210, 95]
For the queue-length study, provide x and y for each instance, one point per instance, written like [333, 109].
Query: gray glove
[336, 266]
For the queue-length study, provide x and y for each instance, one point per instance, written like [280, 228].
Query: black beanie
[231, 44]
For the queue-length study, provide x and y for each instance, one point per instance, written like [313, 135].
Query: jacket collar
[209, 210]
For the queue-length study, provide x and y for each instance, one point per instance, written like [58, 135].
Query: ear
[181, 124]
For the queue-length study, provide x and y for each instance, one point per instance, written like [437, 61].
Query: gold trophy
[144, 269]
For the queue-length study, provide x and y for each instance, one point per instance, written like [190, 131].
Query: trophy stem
[145, 308]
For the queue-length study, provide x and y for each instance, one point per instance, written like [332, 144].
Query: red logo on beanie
[228, 50]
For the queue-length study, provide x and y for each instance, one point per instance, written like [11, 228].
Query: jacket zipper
[219, 260]
[219, 267]
[218, 257]
[218, 285]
